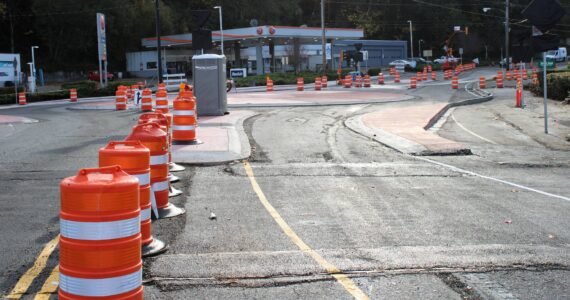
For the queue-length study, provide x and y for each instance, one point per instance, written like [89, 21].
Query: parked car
[444, 59]
[420, 60]
[402, 64]
[94, 76]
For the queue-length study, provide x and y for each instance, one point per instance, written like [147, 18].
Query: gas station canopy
[251, 36]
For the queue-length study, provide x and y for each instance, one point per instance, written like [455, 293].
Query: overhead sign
[428, 53]
[460, 51]
[101, 37]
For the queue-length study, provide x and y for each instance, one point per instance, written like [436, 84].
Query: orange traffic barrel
[268, 85]
[130, 93]
[72, 95]
[358, 82]
[397, 77]
[454, 83]
[380, 78]
[509, 76]
[300, 84]
[425, 75]
[433, 75]
[184, 123]
[367, 82]
[413, 83]
[500, 80]
[120, 100]
[429, 69]
[162, 101]
[22, 98]
[100, 243]
[525, 75]
[156, 140]
[134, 159]
[347, 81]
[518, 94]
[318, 83]
[146, 101]
[419, 76]
[482, 82]
[324, 82]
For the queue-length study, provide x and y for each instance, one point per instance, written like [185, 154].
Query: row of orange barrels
[22, 100]
[106, 212]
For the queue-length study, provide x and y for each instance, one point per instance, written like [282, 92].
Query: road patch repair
[405, 130]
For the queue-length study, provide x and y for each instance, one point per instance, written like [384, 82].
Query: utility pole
[158, 41]
[219, 8]
[411, 40]
[507, 57]
[324, 50]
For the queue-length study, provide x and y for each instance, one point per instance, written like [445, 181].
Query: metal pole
[158, 41]
[508, 63]
[221, 30]
[324, 50]
[420, 48]
[105, 72]
[544, 87]
[33, 62]
[411, 40]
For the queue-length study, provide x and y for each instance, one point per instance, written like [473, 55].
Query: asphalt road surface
[318, 211]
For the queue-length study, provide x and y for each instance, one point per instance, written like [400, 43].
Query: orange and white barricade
[324, 82]
[120, 100]
[146, 101]
[419, 76]
[318, 83]
[347, 81]
[454, 83]
[509, 76]
[534, 78]
[300, 84]
[413, 83]
[358, 82]
[500, 80]
[100, 242]
[162, 101]
[367, 82]
[269, 85]
[518, 94]
[397, 77]
[72, 95]
[482, 82]
[152, 136]
[184, 122]
[22, 98]
[380, 78]
[433, 76]
[134, 159]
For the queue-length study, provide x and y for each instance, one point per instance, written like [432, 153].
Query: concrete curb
[238, 146]
[404, 145]
[308, 104]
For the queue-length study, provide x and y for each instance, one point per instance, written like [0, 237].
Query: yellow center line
[26, 280]
[50, 285]
[344, 280]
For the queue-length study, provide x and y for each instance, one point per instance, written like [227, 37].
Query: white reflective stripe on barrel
[160, 186]
[144, 179]
[145, 214]
[158, 159]
[100, 287]
[183, 113]
[183, 127]
[162, 106]
[97, 231]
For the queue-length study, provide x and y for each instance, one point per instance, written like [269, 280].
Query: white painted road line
[471, 132]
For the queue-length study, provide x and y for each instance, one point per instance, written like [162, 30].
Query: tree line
[65, 30]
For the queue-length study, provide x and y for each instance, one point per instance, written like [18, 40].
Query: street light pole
[34, 61]
[507, 58]
[324, 50]
[411, 40]
[158, 46]
[221, 28]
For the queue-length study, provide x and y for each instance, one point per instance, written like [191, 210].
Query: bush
[558, 85]
[10, 90]
[374, 71]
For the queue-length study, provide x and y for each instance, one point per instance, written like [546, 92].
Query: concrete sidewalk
[223, 139]
[405, 129]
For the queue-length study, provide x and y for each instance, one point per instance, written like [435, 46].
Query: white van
[7, 68]
[557, 55]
